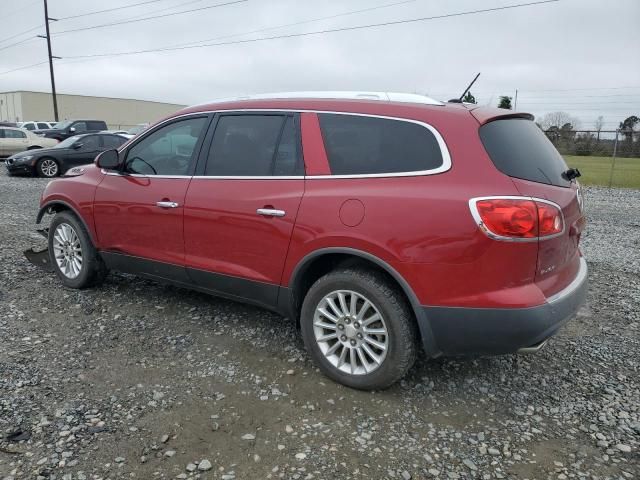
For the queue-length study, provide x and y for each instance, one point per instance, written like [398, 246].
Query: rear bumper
[468, 331]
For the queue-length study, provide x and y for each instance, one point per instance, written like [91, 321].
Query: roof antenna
[459, 100]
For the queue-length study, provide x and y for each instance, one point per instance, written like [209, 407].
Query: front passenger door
[139, 209]
[84, 151]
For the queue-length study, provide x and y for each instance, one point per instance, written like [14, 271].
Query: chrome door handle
[270, 212]
[167, 204]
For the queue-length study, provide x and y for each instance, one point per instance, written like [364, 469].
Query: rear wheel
[48, 167]
[73, 257]
[359, 329]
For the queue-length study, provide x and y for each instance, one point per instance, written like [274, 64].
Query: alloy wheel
[351, 332]
[49, 167]
[67, 250]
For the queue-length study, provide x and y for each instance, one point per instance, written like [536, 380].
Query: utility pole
[515, 101]
[51, 57]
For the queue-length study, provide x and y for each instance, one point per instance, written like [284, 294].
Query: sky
[577, 56]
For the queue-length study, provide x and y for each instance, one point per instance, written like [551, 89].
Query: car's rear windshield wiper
[571, 173]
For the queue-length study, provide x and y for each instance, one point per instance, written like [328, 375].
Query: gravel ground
[140, 380]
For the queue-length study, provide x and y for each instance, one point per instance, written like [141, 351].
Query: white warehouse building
[119, 113]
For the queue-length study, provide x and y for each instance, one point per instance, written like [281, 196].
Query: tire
[397, 321]
[65, 231]
[48, 167]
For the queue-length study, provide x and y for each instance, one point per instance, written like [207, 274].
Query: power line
[320, 32]
[171, 7]
[149, 18]
[24, 68]
[21, 33]
[30, 39]
[95, 12]
[302, 22]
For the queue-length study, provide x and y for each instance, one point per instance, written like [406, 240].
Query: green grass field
[596, 170]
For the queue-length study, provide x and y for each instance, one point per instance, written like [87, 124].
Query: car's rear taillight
[517, 218]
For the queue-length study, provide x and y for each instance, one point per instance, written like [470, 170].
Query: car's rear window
[519, 148]
[362, 145]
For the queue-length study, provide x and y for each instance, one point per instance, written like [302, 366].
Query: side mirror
[77, 146]
[72, 129]
[109, 160]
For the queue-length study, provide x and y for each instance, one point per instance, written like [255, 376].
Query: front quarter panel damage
[75, 191]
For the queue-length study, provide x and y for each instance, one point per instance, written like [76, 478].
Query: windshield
[137, 129]
[61, 125]
[19, 124]
[68, 142]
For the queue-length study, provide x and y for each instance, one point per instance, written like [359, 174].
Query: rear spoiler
[488, 114]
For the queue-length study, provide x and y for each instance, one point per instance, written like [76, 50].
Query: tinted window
[111, 141]
[80, 127]
[254, 145]
[14, 134]
[96, 126]
[29, 126]
[359, 145]
[519, 148]
[169, 150]
[1, 132]
[90, 143]
[43, 126]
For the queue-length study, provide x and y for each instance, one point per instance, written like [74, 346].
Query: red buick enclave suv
[382, 223]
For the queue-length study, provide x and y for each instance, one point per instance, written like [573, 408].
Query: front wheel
[48, 168]
[358, 328]
[74, 258]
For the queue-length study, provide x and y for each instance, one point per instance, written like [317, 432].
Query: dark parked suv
[69, 128]
[383, 224]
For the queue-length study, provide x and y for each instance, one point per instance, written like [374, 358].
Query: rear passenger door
[242, 203]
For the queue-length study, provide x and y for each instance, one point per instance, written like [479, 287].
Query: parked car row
[60, 146]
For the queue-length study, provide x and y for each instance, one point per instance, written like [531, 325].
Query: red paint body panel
[78, 192]
[224, 234]
[315, 156]
[129, 221]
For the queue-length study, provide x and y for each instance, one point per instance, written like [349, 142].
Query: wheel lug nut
[356, 324]
[343, 338]
[360, 336]
[346, 320]
[353, 342]
[340, 326]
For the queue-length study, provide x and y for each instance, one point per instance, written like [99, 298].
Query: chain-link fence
[604, 157]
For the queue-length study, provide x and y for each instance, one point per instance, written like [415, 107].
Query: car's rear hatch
[521, 150]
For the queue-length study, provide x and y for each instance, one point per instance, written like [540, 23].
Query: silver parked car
[14, 140]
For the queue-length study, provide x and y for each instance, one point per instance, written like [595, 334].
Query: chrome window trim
[444, 151]
[476, 216]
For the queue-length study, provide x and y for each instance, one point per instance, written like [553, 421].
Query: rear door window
[112, 141]
[14, 134]
[362, 145]
[42, 126]
[254, 145]
[519, 149]
[96, 126]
